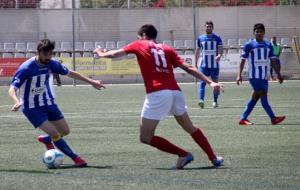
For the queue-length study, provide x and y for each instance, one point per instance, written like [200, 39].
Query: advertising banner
[8, 66]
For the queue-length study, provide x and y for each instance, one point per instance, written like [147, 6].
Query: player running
[164, 96]
[34, 80]
[211, 48]
[258, 52]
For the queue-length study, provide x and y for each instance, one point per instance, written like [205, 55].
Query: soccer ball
[53, 158]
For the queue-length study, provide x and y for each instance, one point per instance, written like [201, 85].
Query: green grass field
[104, 130]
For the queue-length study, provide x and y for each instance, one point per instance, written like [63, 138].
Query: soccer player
[211, 48]
[277, 51]
[164, 96]
[258, 52]
[34, 80]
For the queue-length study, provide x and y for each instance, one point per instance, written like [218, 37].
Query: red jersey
[156, 63]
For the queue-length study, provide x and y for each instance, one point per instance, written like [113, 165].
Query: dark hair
[259, 26]
[149, 30]
[209, 22]
[45, 45]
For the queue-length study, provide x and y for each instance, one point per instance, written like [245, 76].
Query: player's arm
[275, 65]
[194, 72]
[98, 84]
[219, 50]
[197, 56]
[111, 53]
[13, 94]
[239, 78]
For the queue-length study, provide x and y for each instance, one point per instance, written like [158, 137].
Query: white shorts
[158, 105]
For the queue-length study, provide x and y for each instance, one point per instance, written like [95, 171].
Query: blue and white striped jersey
[209, 47]
[35, 82]
[258, 55]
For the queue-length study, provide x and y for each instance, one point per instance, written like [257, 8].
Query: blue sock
[267, 107]
[201, 91]
[63, 146]
[248, 109]
[216, 95]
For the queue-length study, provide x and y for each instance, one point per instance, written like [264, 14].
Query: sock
[265, 103]
[216, 95]
[248, 109]
[201, 91]
[62, 145]
[166, 146]
[202, 141]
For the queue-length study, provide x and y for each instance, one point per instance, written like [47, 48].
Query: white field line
[100, 116]
[188, 83]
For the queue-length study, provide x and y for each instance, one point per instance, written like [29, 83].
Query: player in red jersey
[164, 96]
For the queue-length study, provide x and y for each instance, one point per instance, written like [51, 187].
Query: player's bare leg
[147, 136]
[198, 136]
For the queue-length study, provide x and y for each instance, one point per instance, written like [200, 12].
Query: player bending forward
[34, 81]
[164, 96]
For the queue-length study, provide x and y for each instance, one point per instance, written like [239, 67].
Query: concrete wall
[121, 24]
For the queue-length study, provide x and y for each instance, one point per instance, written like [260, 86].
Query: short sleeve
[177, 60]
[219, 41]
[59, 68]
[246, 51]
[199, 43]
[131, 48]
[19, 78]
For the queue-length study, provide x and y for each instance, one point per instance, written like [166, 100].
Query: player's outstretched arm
[13, 94]
[239, 78]
[98, 84]
[194, 71]
[110, 54]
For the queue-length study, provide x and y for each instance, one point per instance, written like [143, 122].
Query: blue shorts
[37, 116]
[259, 84]
[212, 72]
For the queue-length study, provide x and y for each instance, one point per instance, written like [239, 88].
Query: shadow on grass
[25, 171]
[69, 166]
[197, 168]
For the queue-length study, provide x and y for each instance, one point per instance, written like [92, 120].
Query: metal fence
[63, 4]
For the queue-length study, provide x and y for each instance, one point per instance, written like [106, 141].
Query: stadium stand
[232, 45]
[168, 42]
[286, 44]
[100, 44]
[20, 48]
[110, 45]
[121, 44]
[9, 47]
[88, 46]
[189, 44]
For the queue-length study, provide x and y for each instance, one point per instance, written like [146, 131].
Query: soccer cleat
[183, 161]
[48, 145]
[218, 161]
[215, 105]
[245, 122]
[277, 120]
[79, 162]
[201, 104]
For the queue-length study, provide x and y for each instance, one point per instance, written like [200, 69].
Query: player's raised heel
[218, 161]
[201, 104]
[215, 105]
[245, 122]
[79, 162]
[49, 145]
[277, 120]
[183, 161]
